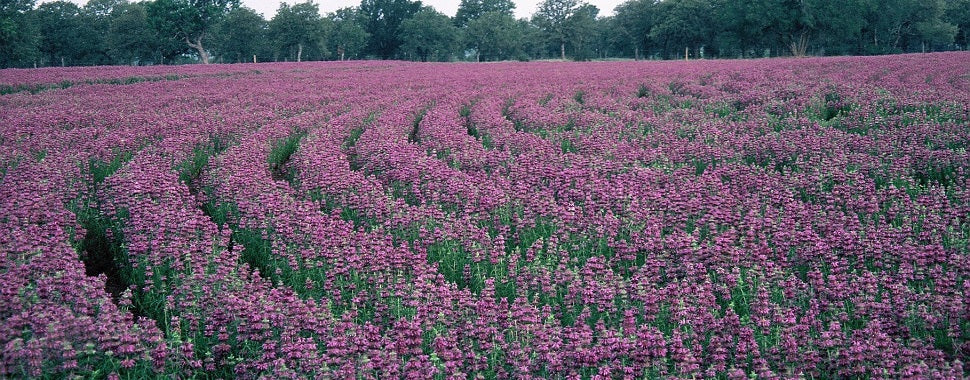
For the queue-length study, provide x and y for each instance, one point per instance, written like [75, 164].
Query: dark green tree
[555, 18]
[382, 20]
[96, 17]
[297, 28]
[887, 25]
[683, 24]
[429, 36]
[493, 36]
[131, 38]
[931, 28]
[347, 38]
[241, 35]
[584, 32]
[102, 8]
[614, 39]
[189, 21]
[837, 26]
[67, 36]
[533, 43]
[744, 27]
[469, 10]
[632, 23]
[19, 37]
[958, 13]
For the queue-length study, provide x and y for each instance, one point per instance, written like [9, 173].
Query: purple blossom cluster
[771, 218]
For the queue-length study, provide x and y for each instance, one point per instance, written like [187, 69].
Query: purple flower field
[782, 218]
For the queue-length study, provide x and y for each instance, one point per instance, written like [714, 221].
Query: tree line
[102, 32]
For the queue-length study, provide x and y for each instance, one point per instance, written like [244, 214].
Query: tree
[633, 20]
[67, 37]
[240, 35]
[429, 36]
[584, 31]
[382, 20]
[19, 37]
[553, 17]
[102, 8]
[299, 27]
[189, 21]
[836, 27]
[469, 10]
[887, 23]
[930, 25]
[615, 40]
[958, 13]
[348, 37]
[494, 36]
[131, 39]
[683, 24]
[745, 27]
[533, 42]
[96, 19]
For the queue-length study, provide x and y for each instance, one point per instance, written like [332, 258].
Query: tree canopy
[190, 21]
[297, 28]
[469, 10]
[429, 36]
[241, 35]
[102, 32]
[382, 20]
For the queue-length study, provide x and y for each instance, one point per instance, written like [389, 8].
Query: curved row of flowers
[776, 218]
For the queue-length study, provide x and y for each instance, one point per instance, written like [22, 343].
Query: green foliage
[382, 20]
[347, 37]
[414, 136]
[241, 35]
[568, 146]
[189, 22]
[19, 37]
[164, 31]
[429, 36]
[958, 13]
[685, 23]
[281, 153]
[584, 32]
[131, 38]
[494, 36]
[633, 21]
[643, 91]
[100, 170]
[555, 19]
[298, 31]
[470, 10]
[68, 35]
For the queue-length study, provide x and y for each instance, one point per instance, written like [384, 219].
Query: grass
[64, 84]
[414, 135]
[281, 153]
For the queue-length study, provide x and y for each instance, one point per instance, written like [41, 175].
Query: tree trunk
[562, 50]
[799, 46]
[897, 34]
[636, 53]
[299, 52]
[197, 45]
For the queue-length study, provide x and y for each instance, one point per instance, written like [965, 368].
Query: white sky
[523, 8]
